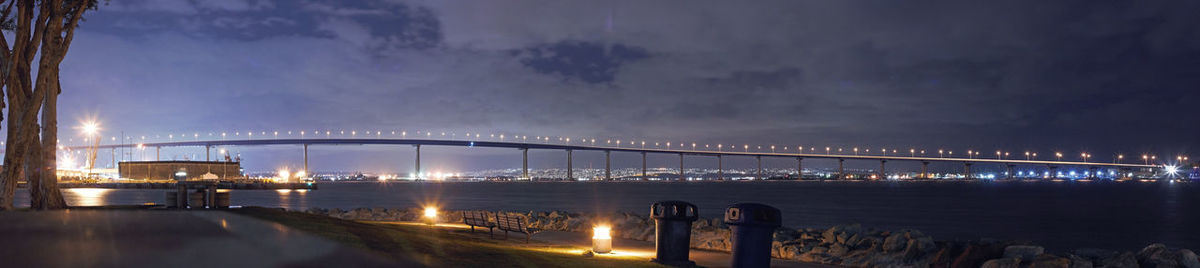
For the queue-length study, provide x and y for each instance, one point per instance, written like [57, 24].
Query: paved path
[636, 247]
[149, 238]
[622, 248]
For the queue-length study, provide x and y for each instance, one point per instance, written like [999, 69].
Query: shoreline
[847, 245]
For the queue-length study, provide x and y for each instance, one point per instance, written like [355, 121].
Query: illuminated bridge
[524, 147]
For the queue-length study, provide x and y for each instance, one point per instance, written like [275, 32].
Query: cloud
[941, 73]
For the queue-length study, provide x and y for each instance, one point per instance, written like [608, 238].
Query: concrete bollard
[752, 227]
[673, 231]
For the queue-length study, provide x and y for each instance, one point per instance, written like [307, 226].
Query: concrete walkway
[622, 248]
[714, 259]
[150, 238]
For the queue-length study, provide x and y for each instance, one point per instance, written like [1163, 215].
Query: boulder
[894, 242]
[1002, 263]
[1049, 261]
[1127, 259]
[975, 254]
[1188, 259]
[1079, 262]
[1025, 252]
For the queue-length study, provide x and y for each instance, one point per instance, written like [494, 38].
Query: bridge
[524, 147]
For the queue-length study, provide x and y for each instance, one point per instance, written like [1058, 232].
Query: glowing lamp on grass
[601, 239]
[430, 215]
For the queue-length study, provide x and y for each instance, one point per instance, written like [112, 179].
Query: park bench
[478, 218]
[514, 223]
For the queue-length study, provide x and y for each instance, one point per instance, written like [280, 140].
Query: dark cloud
[587, 61]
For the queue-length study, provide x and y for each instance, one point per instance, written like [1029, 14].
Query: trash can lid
[674, 209]
[753, 214]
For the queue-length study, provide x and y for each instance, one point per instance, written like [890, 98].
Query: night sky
[1096, 76]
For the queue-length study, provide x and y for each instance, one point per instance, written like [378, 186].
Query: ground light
[601, 239]
[431, 215]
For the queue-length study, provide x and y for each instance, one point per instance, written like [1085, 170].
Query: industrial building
[180, 170]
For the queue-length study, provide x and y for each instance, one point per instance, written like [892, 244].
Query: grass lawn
[440, 247]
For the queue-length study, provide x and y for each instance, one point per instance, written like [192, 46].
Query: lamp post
[940, 153]
[1059, 155]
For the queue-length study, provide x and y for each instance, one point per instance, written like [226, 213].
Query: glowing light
[284, 174]
[601, 239]
[90, 128]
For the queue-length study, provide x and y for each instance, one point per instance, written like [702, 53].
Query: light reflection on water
[86, 196]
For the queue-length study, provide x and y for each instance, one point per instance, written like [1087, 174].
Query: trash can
[751, 227]
[196, 199]
[222, 199]
[673, 231]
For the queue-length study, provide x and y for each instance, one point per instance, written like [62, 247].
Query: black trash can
[673, 231]
[752, 227]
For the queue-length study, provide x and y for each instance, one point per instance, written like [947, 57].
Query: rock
[838, 250]
[944, 255]
[975, 254]
[913, 250]
[1002, 263]
[1127, 259]
[1079, 262]
[588, 253]
[1050, 261]
[1188, 259]
[1158, 255]
[894, 242]
[1024, 252]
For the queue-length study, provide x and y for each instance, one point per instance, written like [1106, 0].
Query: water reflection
[86, 196]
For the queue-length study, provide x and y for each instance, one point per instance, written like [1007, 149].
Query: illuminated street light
[1059, 155]
[940, 151]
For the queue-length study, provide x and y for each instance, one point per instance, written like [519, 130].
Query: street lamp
[970, 154]
[1059, 155]
[912, 152]
[940, 153]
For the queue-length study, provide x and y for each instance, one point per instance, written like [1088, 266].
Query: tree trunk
[47, 195]
[33, 173]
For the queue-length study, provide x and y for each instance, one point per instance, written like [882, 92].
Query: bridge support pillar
[967, 170]
[1092, 173]
[925, 169]
[1053, 172]
[841, 168]
[1011, 175]
[570, 169]
[207, 150]
[306, 173]
[682, 177]
[607, 165]
[758, 176]
[525, 163]
[883, 169]
[644, 175]
[157, 153]
[418, 163]
[799, 168]
[720, 168]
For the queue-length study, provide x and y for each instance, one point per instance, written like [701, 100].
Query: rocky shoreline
[845, 245]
